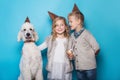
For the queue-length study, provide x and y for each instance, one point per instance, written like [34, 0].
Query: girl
[59, 66]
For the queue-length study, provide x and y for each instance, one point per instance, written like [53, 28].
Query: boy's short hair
[78, 15]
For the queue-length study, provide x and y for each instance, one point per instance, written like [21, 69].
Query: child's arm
[93, 43]
[70, 43]
[44, 45]
[70, 48]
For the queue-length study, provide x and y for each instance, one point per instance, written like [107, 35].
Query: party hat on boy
[75, 8]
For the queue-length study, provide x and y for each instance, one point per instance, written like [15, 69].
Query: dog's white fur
[26, 29]
[31, 60]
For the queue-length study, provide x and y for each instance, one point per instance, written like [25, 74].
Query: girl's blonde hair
[66, 32]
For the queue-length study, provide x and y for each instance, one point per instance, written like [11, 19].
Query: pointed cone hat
[27, 20]
[52, 15]
[75, 8]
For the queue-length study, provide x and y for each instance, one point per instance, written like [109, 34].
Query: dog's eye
[30, 29]
[24, 29]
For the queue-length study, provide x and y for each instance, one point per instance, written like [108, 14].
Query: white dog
[31, 60]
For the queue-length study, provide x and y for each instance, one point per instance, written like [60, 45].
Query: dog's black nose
[28, 34]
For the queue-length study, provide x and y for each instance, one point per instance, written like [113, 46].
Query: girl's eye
[61, 24]
[56, 25]
[30, 29]
[24, 29]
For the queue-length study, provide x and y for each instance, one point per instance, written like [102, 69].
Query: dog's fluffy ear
[35, 36]
[19, 37]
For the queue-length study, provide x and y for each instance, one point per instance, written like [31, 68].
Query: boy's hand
[70, 54]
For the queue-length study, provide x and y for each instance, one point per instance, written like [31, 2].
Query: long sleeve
[70, 44]
[42, 46]
[93, 43]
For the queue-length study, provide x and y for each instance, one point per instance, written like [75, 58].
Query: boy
[82, 46]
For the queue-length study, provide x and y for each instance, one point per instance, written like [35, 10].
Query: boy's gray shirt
[84, 48]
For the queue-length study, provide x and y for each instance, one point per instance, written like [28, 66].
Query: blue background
[102, 19]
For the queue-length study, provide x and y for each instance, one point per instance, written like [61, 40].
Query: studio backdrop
[102, 19]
